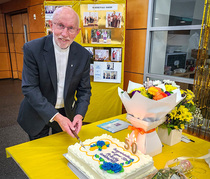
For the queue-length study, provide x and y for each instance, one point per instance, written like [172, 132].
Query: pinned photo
[90, 19]
[49, 9]
[113, 19]
[113, 75]
[101, 55]
[110, 75]
[110, 66]
[116, 54]
[101, 36]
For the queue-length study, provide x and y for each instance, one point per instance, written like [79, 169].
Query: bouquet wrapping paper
[147, 114]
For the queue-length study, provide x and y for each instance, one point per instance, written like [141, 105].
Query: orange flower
[159, 95]
[159, 89]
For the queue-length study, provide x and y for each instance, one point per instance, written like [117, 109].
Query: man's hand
[65, 124]
[77, 123]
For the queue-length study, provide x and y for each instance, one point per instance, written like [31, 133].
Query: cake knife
[80, 142]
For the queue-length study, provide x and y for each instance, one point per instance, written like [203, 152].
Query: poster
[102, 23]
[107, 72]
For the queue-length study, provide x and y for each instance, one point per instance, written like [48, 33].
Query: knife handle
[75, 134]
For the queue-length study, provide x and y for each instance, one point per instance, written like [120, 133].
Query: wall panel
[3, 43]
[36, 25]
[135, 41]
[19, 57]
[35, 2]
[4, 62]
[9, 23]
[5, 74]
[15, 5]
[2, 22]
[135, 77]
[14, 61]
[14, 65]
[135, 50]
[37, 35]
[17, 23]
[11, 43]
[19, 41]
[137, 11]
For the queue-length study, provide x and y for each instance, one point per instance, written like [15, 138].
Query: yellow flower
[137, 89]
[189, 96]
[152, 90]
[170, 87]
[144, 94]
[173, 113]
[142, 90]
[182, 91]
[183, 109]
[191, 102]
[182, 117]
[190, 93]
[182, 126]
[188, 116]
[176, 127]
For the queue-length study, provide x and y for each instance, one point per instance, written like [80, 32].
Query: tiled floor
[10, 132]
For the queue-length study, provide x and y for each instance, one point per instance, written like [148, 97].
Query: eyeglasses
[60, 26]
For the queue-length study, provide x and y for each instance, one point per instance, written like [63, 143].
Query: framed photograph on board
[116, 54]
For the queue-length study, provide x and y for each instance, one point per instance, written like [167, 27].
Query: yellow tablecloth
[43, 158]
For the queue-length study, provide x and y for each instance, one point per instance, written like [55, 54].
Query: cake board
[74, 169]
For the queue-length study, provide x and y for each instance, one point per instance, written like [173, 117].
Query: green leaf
[149, 95]
[169, 131]
[110, 171]
[122, 170]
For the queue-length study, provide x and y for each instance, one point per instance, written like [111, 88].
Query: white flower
[168, 81]
[171, 83]
[157, 82]
[175, 85]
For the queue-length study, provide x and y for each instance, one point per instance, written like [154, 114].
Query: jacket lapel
[49, 56]
[72, 59]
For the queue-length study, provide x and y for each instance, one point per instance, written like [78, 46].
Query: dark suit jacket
[39, 84]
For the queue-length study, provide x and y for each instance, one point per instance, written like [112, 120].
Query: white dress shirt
[61, 58]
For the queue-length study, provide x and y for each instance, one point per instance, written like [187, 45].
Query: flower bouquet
[182, 114]
[176, 120]
[147, 106]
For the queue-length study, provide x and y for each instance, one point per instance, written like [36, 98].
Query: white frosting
[85, 161]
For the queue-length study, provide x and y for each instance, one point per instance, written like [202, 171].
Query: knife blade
[80, 142]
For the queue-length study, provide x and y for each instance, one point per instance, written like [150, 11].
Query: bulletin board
[102, 33]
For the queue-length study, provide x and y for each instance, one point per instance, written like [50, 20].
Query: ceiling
[3, 1]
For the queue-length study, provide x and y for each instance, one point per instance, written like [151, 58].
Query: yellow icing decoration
[93, 148]
[104, 147]
[106, 143]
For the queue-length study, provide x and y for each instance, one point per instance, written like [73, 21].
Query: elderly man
[55, 79]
